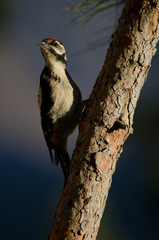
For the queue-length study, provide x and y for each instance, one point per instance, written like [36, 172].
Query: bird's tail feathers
[51, 156]
[64, 159]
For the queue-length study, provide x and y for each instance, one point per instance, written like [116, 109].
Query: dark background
[30, 186]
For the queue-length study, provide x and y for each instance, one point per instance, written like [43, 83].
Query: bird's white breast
[62, 96]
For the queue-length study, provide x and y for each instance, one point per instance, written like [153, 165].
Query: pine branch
[87, 9]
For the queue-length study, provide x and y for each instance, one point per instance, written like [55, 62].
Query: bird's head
[53, 51]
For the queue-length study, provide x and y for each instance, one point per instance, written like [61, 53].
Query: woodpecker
[59, 101]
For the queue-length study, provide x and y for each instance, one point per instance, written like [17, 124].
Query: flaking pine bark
[107, 122]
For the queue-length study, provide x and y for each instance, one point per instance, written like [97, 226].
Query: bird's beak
[42, 44]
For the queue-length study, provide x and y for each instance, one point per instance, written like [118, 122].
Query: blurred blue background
[30, 186]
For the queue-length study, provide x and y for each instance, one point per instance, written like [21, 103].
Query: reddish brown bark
[107, 122]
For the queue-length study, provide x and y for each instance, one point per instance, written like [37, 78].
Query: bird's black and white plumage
[59, 101]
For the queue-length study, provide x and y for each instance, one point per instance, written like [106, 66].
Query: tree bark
[107, 122]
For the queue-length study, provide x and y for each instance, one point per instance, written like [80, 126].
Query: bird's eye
[55, 44]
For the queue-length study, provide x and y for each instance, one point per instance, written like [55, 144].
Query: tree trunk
[107, 122]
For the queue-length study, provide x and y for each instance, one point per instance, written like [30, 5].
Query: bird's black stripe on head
[61, 58]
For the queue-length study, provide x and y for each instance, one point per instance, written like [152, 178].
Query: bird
[59, 102]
